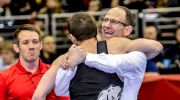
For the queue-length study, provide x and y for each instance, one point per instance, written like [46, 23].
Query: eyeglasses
[113, 21]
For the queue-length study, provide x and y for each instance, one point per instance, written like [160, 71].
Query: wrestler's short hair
[82, 26]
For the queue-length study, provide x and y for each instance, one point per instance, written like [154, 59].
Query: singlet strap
[102, 47]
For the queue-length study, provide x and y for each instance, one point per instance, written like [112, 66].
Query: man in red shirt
[21, 79]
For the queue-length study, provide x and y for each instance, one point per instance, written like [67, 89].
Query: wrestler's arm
[46, 83]
[74, 56]
[150, 48]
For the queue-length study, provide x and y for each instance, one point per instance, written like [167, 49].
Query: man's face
[49, 44]
[150, 32]
[112, 26]
[29, 45]
[178, 35]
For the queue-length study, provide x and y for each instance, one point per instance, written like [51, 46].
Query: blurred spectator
[26, 7]
[51, 6]
[178, 39]
[178, 22]
[1, 40]
[5, 11]
[151, 3]
[1, 43]
[4, 6]
[39, 23]
[4, 2]
[48, 53]
[173, 54]
[136, 4]
[168, 3]
[8, 55]
[106, 3]
[151, 32]
[36, 5]
[75, 5]
[114, 3]
[94, 5]
[21, 7]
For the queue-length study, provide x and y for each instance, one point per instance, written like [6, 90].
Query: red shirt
[18, 84]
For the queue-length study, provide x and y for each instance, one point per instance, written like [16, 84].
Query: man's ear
[128, 30]
[16, 48]
[73, 39]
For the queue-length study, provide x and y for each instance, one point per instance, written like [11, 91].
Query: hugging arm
[133, 63]
[150, 48]
[74, 56]
[46, 83]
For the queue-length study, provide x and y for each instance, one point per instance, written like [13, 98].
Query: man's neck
[30, 66]
[89, 45]
[91, 40]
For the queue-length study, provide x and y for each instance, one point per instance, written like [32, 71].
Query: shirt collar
[42, 68]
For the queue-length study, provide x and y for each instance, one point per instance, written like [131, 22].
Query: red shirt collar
[42, 68]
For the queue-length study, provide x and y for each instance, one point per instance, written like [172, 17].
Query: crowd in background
[169, 59]
[33, 7]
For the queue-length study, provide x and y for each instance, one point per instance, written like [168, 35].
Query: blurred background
[155, 19]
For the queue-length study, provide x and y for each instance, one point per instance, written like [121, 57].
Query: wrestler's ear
[16, 48]
[73, 39]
